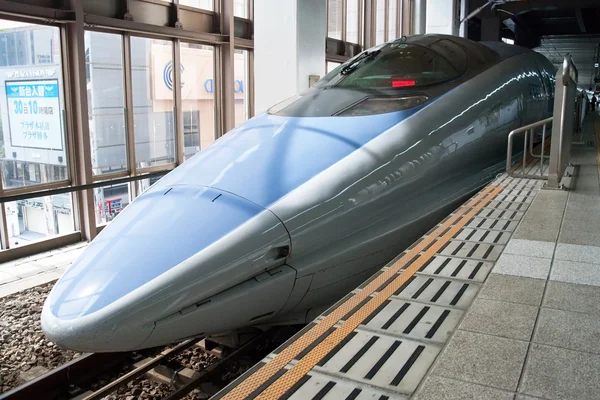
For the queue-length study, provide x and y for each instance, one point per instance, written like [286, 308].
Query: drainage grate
[501, 214]
[317, 386]
[519, 192]
[514, 199]
[438, 291]
[414, 320]
[507, 205]
[483, 236]
[458, 268]
[471, 250]
[493, 224]
[381, 360]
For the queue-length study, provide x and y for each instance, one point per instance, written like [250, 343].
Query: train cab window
[398, 65]
[451, 52]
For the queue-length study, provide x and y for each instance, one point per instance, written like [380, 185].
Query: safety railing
[563, 125]
[528, 142]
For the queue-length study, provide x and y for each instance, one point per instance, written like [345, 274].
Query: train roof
[489, 50]
[505, 50]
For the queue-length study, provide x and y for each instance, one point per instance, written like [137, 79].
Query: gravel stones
[195, 358]
[23, 346]
[143, 389]
[25, 353]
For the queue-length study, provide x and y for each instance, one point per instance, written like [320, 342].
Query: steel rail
[142, 369]
[83, 370]
[54, 382]
[218, 367]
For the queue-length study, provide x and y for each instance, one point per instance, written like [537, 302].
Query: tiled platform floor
[533, 331]
[36, 270]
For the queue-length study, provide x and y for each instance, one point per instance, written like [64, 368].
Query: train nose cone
[95, 302]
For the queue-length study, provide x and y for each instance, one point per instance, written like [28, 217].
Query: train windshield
[398, 65]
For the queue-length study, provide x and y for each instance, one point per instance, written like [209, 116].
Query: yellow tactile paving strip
[447, 230]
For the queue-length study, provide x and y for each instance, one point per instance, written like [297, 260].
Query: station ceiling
[552, 27]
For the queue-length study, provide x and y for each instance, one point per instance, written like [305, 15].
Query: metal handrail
[69, 189]
[565, 81]
[528, 129]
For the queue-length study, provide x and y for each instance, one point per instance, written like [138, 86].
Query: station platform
[501, 300]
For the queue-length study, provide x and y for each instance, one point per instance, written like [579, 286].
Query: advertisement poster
[34, 114]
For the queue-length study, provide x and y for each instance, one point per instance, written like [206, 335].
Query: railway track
[72, 379]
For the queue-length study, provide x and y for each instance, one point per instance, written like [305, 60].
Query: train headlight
[381, 105]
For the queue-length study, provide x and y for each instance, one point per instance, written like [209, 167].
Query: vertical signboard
[34, 114]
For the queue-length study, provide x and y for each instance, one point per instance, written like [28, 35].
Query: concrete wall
[275, 60]
[312, 31]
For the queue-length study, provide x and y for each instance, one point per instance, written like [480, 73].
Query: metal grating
[382, 360]
[459, 269]
[324, 387]
[473, 251]
[493, 224]
[415, 320]
[483, 236]
[495, 213]
[444, 292]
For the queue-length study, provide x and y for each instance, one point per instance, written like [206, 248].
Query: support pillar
[464, 9]
[289, 46]
[77, 104]
[419, 17]
[369, 15]
[407, 17]
[226, 71]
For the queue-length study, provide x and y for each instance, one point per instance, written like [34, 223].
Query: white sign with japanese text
[34, 114]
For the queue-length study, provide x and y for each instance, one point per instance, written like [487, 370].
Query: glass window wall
[352, 16]
[152, 86]
[33, 148]
[29, 221]
[145, 184]
[392, 15]
[240, 86]
[331, 65]
[203, 4]
[240, 8]
[106, 102]
[197, 96]
[334, 19]
[110, 201]
[380, 22]
[34, 116]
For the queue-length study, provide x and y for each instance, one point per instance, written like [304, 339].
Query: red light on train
[403, 83]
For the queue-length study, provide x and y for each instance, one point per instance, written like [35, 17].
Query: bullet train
[298, 206]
